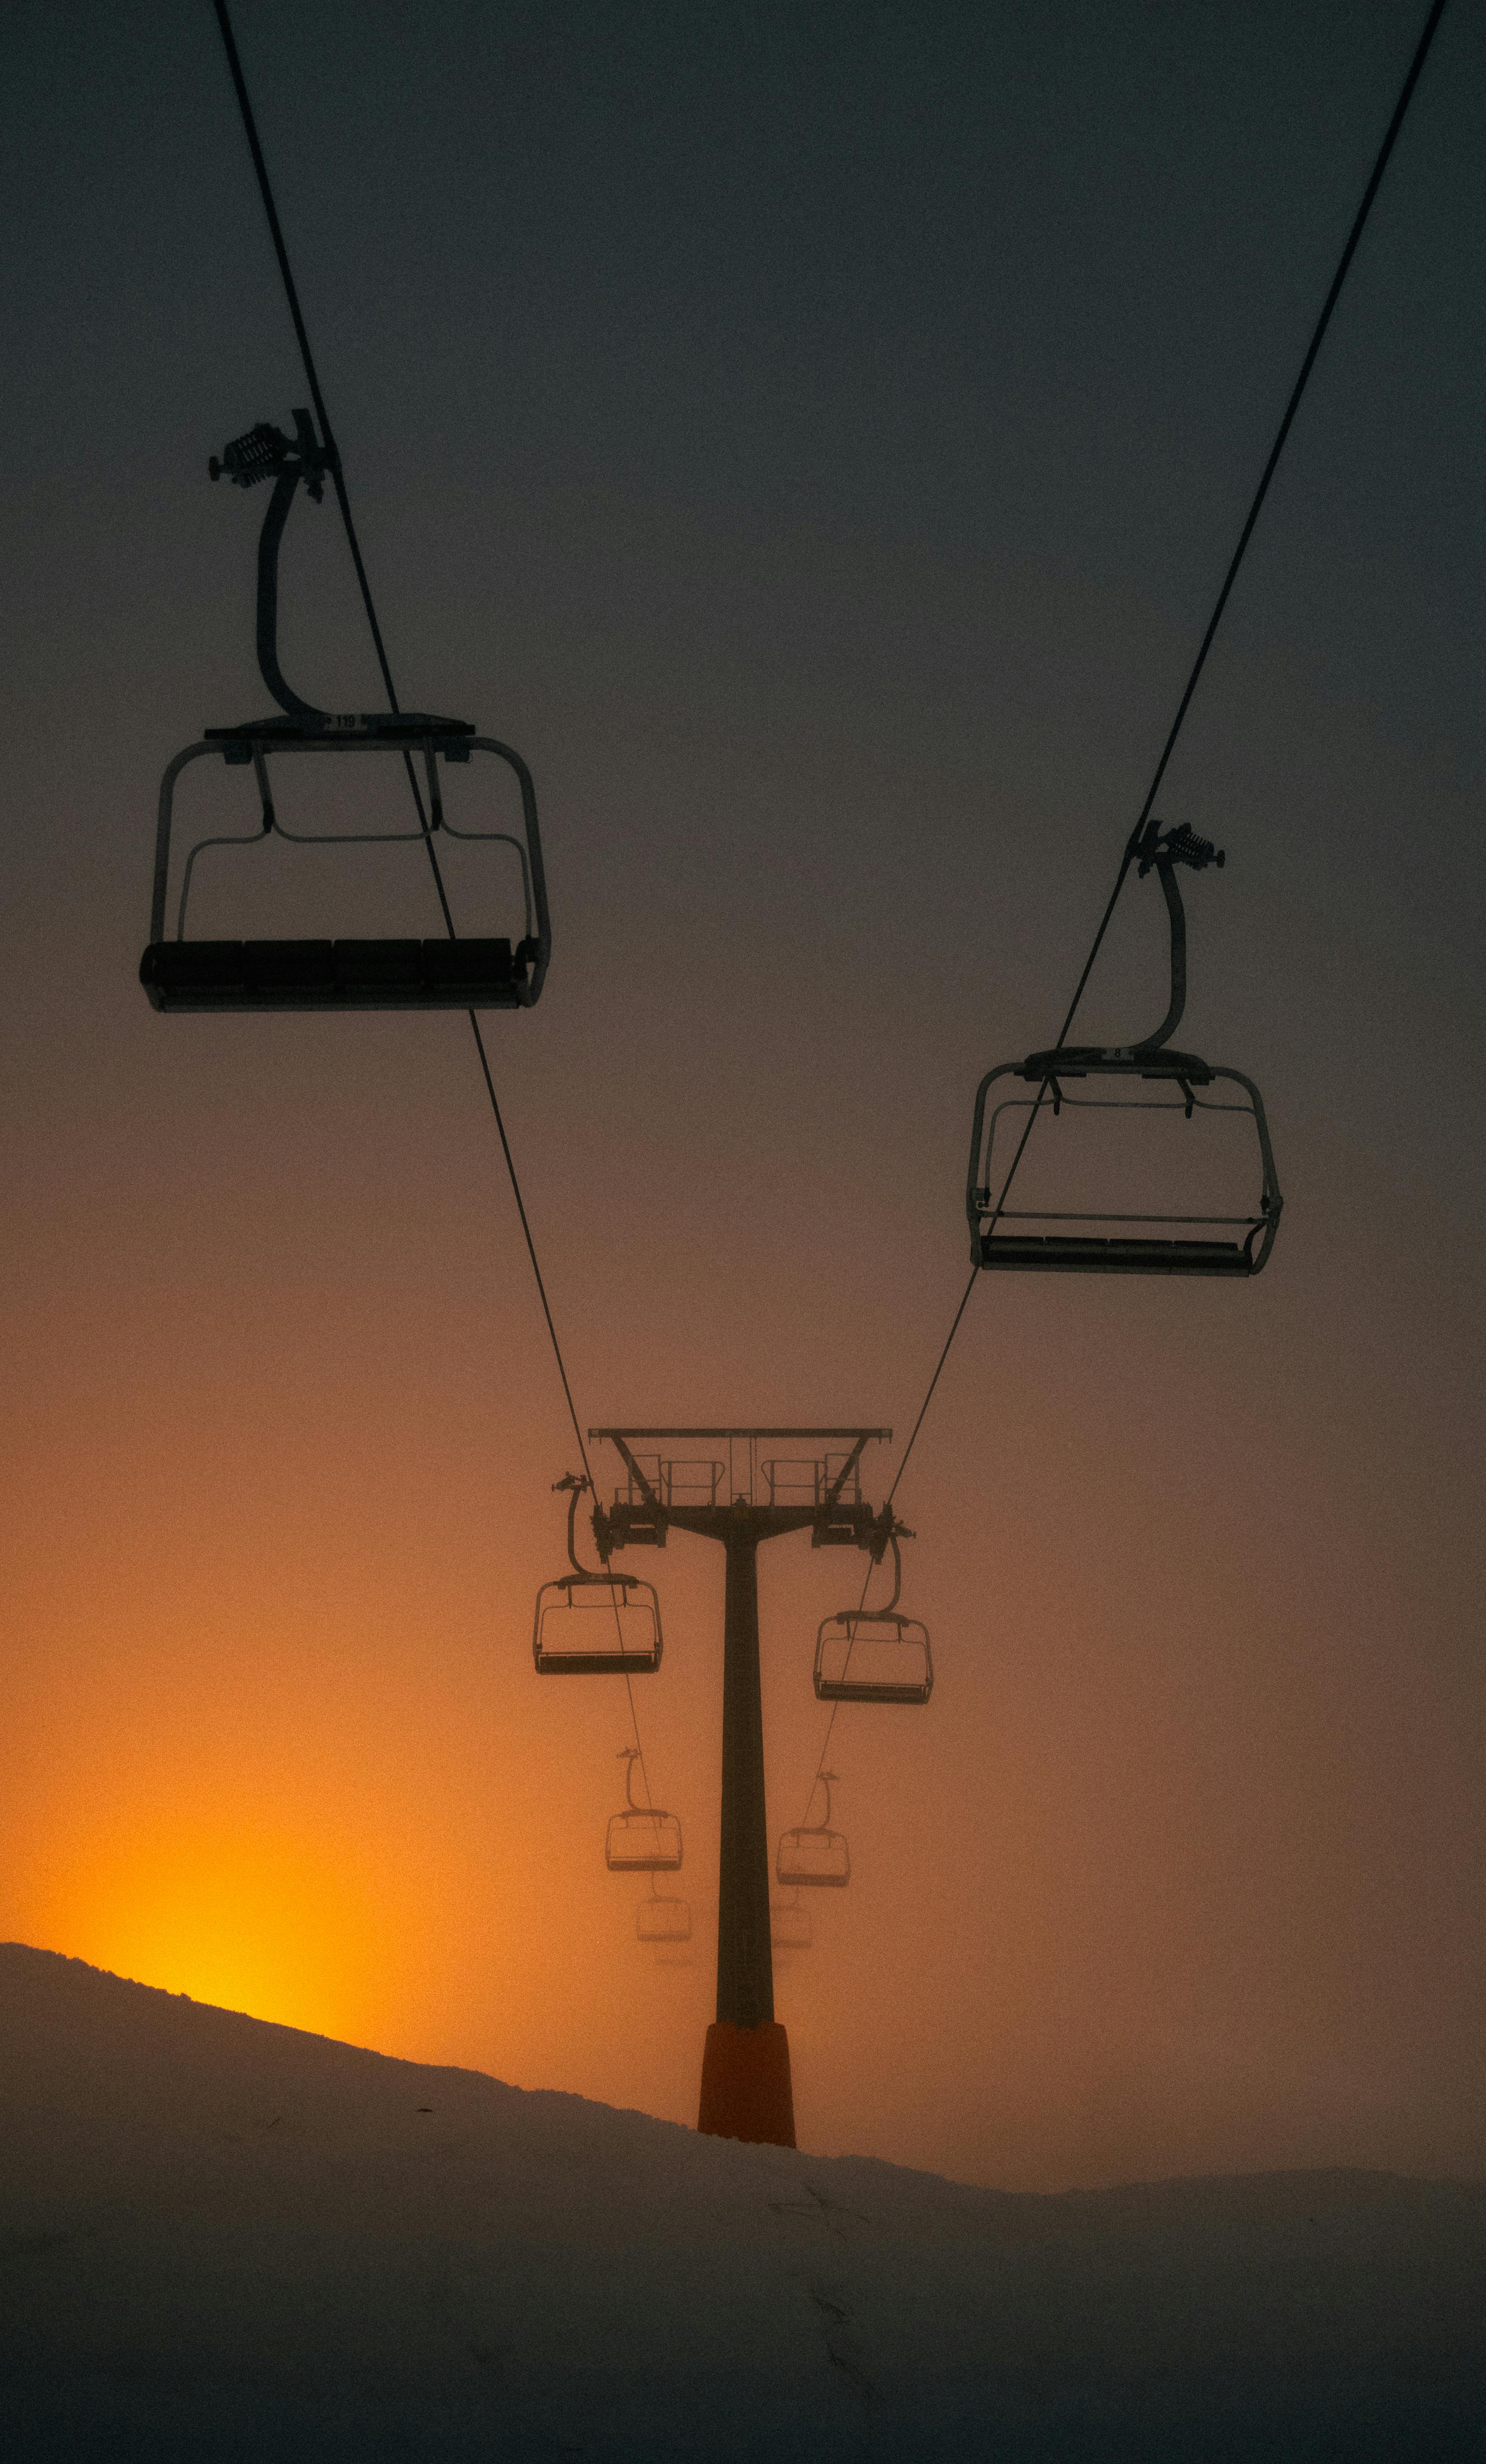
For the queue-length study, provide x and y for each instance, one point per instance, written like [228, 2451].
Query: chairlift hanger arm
[266, 452]
[629, 1755]
[897, 1578]
[1179, 845]
[1161, 851]
[1177, 916]
[266, 629]
[575, 1482]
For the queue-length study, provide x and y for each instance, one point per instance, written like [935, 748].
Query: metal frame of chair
[624, 1593]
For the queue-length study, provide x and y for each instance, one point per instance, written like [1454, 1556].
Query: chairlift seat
[642, 1839]
[597, 1625]
[1064, 1254]
[380, 965]
[334, 974]
[873, 1656]
[788, 1926]
[663, 1918]
[814, 1857]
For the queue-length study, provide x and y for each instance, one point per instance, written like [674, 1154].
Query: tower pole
[745, 1957]
[746, 2088]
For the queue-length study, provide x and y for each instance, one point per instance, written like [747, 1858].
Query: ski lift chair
[642, 1839]
[789, 1924]
[813, 1857]
[594, 1624]
[663, 1916]
[179, 973]
[874, 1654]
[1088, 1240]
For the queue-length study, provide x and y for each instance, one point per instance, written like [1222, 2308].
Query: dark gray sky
[815, 437]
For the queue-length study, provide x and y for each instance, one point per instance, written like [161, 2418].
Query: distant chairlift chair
[813, 1857]
[641, 1840]
[330, 975]
[594, 1624]
[662, 1917]
[875, 1655]
[789, 1924]
[1096, 1242]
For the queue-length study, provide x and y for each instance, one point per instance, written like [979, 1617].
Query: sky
[815, 439]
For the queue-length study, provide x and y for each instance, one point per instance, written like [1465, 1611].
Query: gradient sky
[815, 437]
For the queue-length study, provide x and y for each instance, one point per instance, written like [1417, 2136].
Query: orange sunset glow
[821, 466]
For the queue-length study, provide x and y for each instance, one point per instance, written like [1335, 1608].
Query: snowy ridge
[225, 2239]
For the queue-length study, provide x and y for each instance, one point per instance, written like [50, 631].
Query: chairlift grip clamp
[263, 452]
[883, 1529]
[1180, 845]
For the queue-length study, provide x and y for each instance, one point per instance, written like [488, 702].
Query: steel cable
[1144, 825]
[342, 499]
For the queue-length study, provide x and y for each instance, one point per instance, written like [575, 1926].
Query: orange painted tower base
[746, 2090]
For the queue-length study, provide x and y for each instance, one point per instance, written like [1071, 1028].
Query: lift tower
[742, 1487]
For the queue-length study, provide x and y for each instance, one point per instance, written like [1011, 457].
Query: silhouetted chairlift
[641, 1840]
[594, 1624]
[813, 1855]
[663, 1916]
[1200, 1243]
[340, 975]
[789, 1924]
[875, 1655]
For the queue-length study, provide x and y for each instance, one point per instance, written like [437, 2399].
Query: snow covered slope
[221, 2239]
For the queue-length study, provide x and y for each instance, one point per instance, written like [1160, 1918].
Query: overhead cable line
[307, 356]
[1145, 827]
[344, 501]
[1142, 829]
